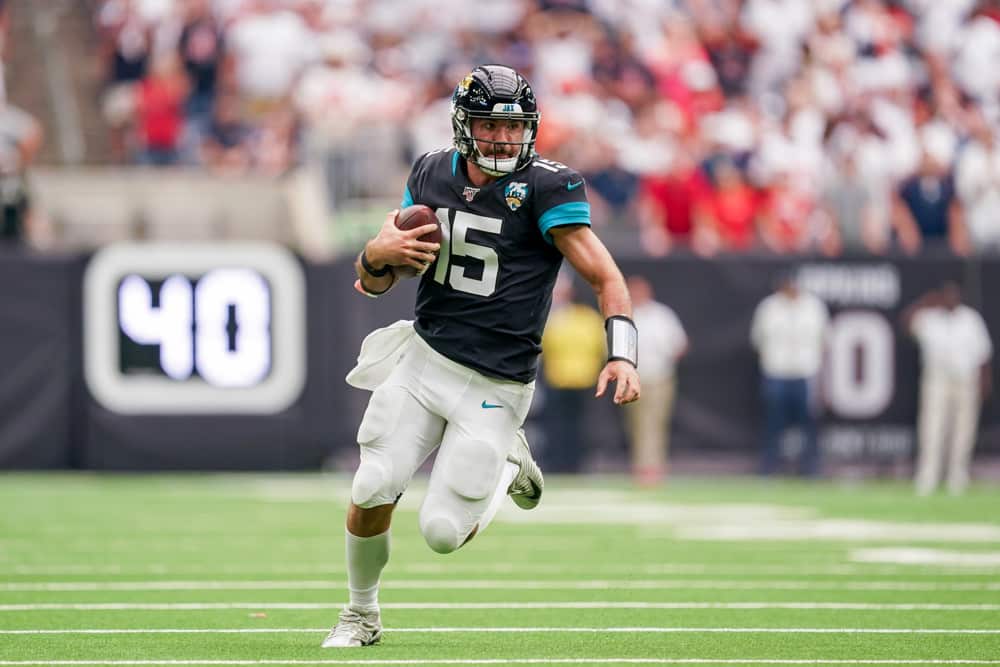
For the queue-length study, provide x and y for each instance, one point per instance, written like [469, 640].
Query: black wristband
[371, 270]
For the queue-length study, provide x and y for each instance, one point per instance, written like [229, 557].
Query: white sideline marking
[924, 556]
[511, 661]
[626, 630]
[845, 530]
[502, 584]
[882, 562]
[213, 606]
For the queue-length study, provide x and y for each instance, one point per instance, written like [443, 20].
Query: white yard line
[513, 661]
[316, 606]
[502, 584]
[877, 568]
[490, 630]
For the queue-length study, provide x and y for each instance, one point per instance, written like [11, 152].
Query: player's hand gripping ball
[412, 217]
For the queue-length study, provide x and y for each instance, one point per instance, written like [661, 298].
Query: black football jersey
[484, 302]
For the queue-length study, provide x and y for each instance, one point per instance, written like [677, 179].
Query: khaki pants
[946, 432]
[647, 422]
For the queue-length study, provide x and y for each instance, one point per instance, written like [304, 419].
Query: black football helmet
[499, 92]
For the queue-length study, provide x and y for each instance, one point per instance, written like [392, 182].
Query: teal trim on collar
[407, 198]
[570, 213]
[454, 163]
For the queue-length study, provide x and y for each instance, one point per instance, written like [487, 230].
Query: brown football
[411, 217]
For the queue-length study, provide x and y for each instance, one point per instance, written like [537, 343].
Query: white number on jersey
[548, 165]
[455, 244]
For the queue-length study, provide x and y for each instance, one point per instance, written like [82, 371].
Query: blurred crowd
[832, 126]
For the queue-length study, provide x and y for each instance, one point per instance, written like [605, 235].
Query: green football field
[249, 570]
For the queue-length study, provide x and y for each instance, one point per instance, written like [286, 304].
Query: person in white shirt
[955, 354]
[647, 422]
[788, 332]
[977, 178]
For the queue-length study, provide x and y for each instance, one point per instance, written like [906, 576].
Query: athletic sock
[366, 557]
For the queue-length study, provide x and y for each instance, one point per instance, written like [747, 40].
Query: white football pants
[429, 400]
[946, 432]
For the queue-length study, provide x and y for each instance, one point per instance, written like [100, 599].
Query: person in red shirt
[788, 216]
[160, 112]
[667, 204]
[726, 214]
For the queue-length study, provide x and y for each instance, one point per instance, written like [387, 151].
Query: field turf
[249, 570]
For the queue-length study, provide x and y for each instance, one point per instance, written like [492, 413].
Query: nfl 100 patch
[515, 193]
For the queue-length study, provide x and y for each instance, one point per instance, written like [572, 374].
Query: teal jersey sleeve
[561, 197]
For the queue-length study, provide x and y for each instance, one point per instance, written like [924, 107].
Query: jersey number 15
[455, 244]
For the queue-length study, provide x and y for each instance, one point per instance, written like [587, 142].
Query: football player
[465, 377]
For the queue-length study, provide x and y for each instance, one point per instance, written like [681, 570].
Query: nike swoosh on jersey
[574, 186]
[486, 405]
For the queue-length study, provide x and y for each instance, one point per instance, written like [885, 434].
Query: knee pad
[440, 534]
[472, 470]
[371, 482]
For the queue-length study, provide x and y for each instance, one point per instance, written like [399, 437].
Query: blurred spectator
[955, 352]
[667, 204]
[977, 52]
[201, 48]
[726, 214]
[853, 221]
[684, 72]
[788, 332]
[620, 73]
[730, 51]
[126, 43]
[926, 209]
[20, 139]
[276, 143]
[789, 220]
[978, 183]
[271, 46]
[662, 342]
[779, 27]
[226, 143]
[573, 353]
[160, 112]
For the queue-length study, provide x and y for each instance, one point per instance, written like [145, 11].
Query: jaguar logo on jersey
[470, 193]
[515, 193]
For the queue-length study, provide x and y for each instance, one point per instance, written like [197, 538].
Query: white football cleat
[354, 628]
[526, 489]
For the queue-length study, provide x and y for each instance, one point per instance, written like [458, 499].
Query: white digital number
[250, 359]
[455, 244]
[859, 375]
[168, 326]
[202, 343]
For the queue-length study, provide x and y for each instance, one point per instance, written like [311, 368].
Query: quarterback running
[459, 379]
